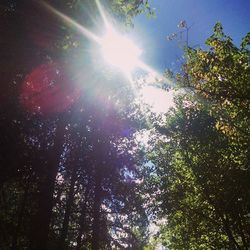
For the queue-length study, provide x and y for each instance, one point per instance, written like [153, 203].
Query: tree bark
[82, 219]
[20, 216]
[70, 200]
[96, 213]
[41, 222]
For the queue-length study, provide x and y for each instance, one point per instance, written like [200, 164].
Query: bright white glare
[116, 49]
[120, 52]
[158, 99]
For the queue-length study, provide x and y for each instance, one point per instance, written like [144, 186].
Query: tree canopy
[72, 172]
[202, 162]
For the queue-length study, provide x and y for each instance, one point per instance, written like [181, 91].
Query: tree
[202, 164]
[60, 178]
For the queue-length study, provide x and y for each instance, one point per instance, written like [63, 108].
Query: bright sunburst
[122, 53]
[119, 51]
[115, 48]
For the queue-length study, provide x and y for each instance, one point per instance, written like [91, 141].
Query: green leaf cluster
[203, 161]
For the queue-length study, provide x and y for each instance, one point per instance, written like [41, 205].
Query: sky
[150, 34]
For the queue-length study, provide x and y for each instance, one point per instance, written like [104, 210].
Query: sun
[116, 49]
[119, 51]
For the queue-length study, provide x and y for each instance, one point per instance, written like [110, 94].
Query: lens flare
[119, 51]
[116, 49]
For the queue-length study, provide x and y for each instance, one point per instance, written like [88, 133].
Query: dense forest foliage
[72, 173]
[202, 163]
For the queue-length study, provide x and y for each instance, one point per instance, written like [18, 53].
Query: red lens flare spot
[48, 89]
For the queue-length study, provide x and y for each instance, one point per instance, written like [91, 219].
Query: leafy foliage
[203, 162]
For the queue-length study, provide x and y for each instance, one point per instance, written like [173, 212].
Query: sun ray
[103, 15]
[117, 49]
[70, 21]
[147, 68]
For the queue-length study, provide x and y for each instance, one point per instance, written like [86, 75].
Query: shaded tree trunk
[70, 200]
[20, 216]
[82, 218]
[96, 213]
[40, 227]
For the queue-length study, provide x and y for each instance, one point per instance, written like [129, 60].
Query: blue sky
[151, 34]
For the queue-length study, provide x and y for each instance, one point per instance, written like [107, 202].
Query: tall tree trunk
[96, 212]
[69, 203]
[20, 216]
[40, 227]
[82, 218]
